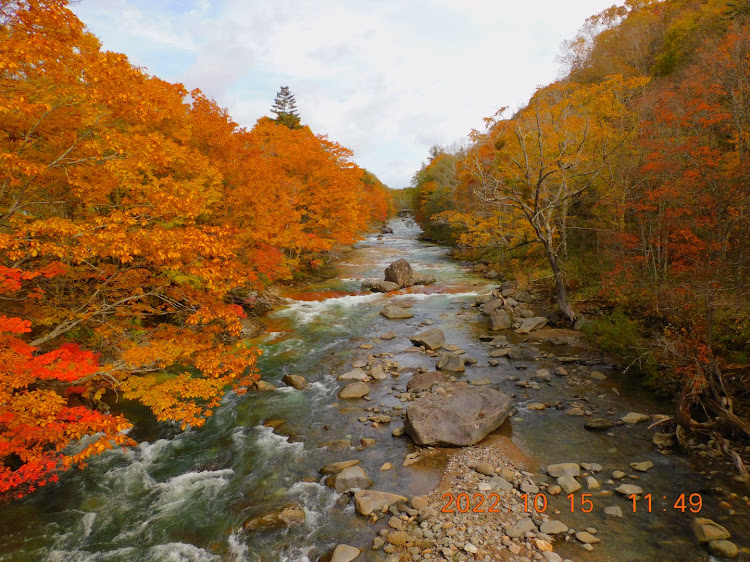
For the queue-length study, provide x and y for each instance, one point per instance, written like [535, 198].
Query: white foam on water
[237, 548]
[316, 499]
[58, 555]
[426, 296]
[185, 486]
[307, 311]
[180, 552]
[88, 523]
[271, 442]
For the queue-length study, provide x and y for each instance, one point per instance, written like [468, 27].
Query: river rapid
[184, 495]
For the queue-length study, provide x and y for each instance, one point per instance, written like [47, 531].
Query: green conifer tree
[285, 108]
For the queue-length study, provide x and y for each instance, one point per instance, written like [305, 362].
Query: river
[185, 495]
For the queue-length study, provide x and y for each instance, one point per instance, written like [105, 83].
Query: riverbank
[522, 531]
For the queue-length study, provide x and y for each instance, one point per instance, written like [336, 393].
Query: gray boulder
[500, 320]
[431, 339]
[454, 363]
[458, 418]
[531, 324]
[399, 272]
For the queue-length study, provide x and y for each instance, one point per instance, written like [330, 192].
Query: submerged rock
[458, 418]
[284, 517]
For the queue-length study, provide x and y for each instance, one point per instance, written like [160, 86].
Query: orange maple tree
[130, 210]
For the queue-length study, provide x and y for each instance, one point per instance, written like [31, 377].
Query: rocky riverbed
[365, 440]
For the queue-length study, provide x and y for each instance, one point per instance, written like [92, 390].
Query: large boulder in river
[393, 312]
[431, 339]
[286, 516]
[459, 418]
[500, 320]
[398, 272]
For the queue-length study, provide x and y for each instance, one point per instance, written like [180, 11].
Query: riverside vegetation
[622, 191]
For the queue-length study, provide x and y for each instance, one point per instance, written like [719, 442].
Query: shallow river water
[183, 496]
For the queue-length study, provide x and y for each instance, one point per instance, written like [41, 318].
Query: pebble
[641, 466]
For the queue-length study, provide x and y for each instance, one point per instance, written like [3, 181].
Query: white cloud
[387, 78]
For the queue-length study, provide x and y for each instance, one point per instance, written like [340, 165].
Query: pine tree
[285, 108]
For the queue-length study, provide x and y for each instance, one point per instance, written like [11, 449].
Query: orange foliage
[130, 209]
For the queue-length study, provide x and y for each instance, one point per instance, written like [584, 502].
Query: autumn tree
[285, 108]
[538, 163]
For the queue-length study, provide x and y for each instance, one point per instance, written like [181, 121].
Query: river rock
[393, 312]
[564, 469]
[377, 372]
[531, 324]
[342, 553]
[598, 423]
[295, 381]
[500, 320]
[264, 386]
[499, 341]
[453, 363]
[706, 530]
[553, 527]
[569, 484]
[385, 287]
[351, 477]
[425, 381]
[587, 538]
[399, 272]
[491, 306]
[597, 376]
[354, 390]
[542, 375]
[634, 417]
[723, 548]
[613, 511]
[420, 279]
[664, 440]
[353, 375]
[367, 501]
[641, 466]
[284, 517]
[461, 417]
[629, 489]
[525, 525]
[431, 339]
[335, 467]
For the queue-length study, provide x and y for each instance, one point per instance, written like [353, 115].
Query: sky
[387, 78]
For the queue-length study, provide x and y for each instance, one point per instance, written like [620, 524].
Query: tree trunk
[562, 292]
